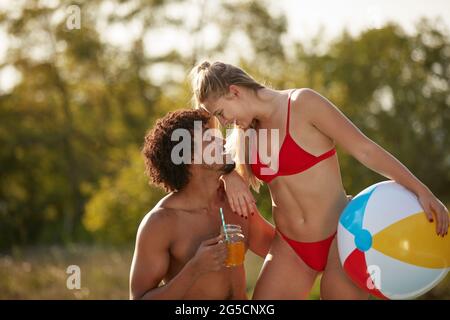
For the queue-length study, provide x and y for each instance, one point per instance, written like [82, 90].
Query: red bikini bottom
[314, 254]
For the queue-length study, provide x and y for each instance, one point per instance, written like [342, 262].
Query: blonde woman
[305, 182]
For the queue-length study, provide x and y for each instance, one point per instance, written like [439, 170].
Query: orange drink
[236, 254]
[235, 245]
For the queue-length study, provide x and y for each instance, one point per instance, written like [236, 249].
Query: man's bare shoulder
[160, 221]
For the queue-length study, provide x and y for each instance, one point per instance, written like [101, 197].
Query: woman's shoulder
[299, 95]
[303, 99]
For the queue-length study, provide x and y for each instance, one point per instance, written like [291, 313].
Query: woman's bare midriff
[307, 205]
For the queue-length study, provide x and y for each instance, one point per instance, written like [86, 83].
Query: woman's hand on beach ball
[433, 207]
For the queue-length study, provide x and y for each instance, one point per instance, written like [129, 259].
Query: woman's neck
[267, 106]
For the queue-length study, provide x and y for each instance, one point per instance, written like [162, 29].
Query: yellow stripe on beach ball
[414, 240]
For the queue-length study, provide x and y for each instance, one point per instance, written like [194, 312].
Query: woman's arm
[261, 234]
[238, 194]
[237, 187]
[332, 122]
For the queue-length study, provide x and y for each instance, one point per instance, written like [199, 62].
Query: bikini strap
[289, 111]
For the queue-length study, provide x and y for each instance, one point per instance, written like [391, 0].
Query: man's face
[213, 152]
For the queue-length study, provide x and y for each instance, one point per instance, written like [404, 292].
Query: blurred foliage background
[72, 183]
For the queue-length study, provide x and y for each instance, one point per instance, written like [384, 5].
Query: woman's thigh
[335, 284]
[284, 275]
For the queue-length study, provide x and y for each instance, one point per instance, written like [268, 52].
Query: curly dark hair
[158, 147]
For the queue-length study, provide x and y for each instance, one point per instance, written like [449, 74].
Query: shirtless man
[179, 252]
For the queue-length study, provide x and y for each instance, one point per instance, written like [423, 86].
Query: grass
[40, 273]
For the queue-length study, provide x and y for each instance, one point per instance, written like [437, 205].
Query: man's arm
[261, 234]
[151, 262]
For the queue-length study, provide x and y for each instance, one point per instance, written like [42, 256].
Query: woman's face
[230, 108]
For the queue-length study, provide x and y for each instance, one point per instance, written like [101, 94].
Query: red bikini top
[292, 158]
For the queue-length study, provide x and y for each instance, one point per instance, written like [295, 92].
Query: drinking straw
[223, 224]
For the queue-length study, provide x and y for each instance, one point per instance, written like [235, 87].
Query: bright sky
[305, 18]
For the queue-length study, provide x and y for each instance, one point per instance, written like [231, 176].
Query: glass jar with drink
[235, 241]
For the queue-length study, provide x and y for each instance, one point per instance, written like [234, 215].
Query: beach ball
[388, 247]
